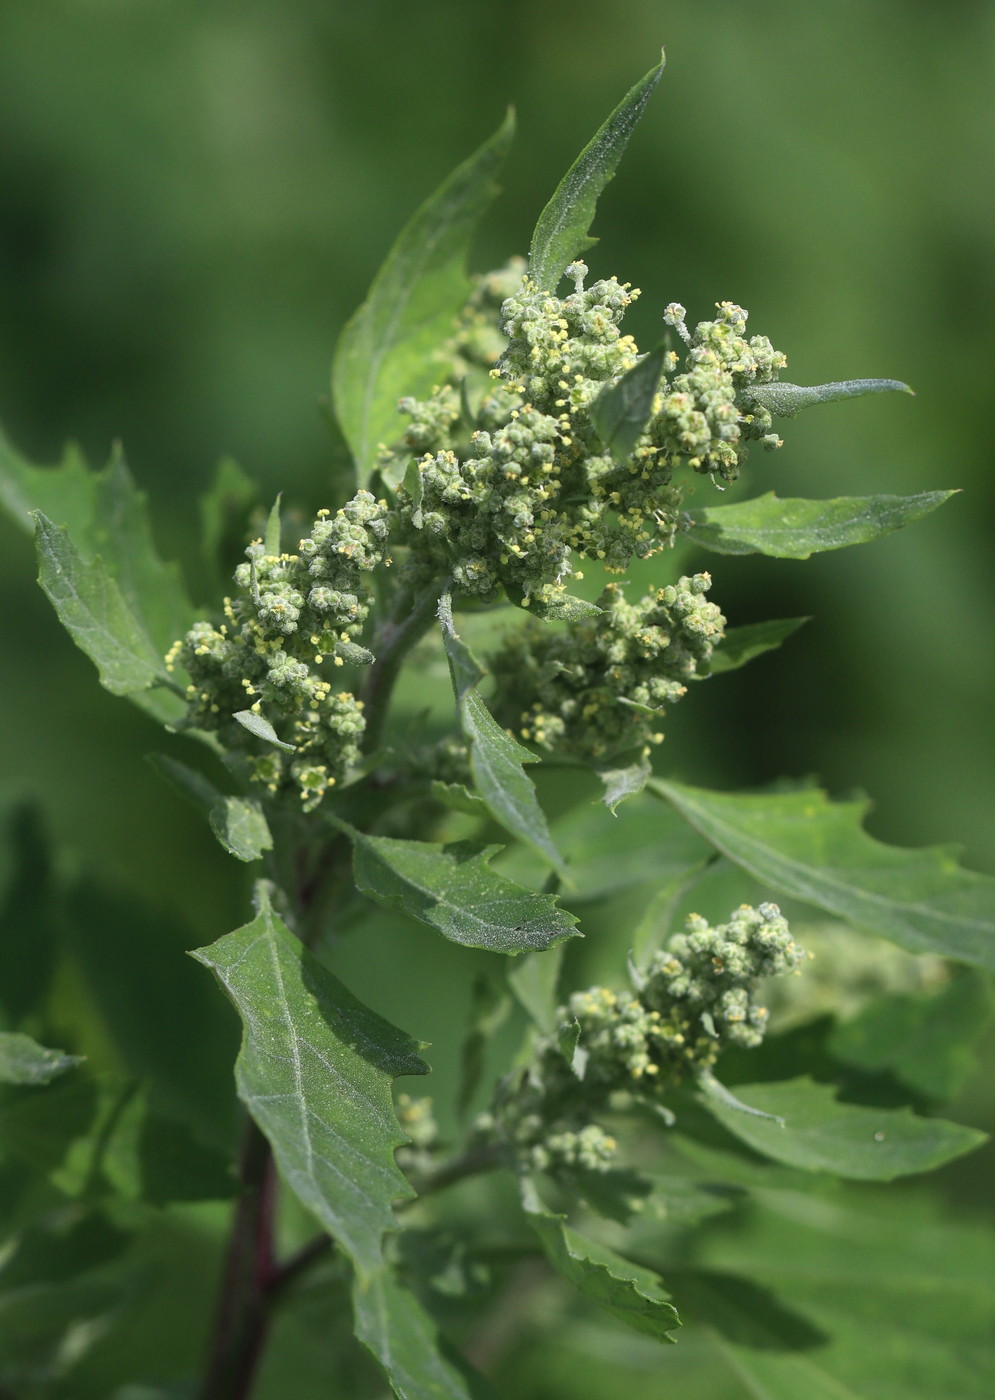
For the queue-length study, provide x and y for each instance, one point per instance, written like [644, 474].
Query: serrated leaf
[454, 890]
[496, 759]
[623, 409]
[104, 516]
[629, 1292]
[93, 611]
[796, 529]
[623, 782]
[742, 644]
[821, 1134]
[238, 822]
[562, 231]
[388, 347]
[927, 1041]
[260, 726]
[787, 400]
[24, 1061]
[803, 845]
[395, 1328]
[314, 1071]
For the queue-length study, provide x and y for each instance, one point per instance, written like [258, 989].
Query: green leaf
[742, 644]
[496, 758]
[24, 1061]
[903, 1299]
[623, 409]
[562, 231]
[490, 1003]
[314, 1071]
[927, 1042]
[260, 726]
[821, 1134]
[271, 540]
[630, 1293]
[239, 823]
[419, 1364]
[657, 921]
[93, 611]
[453, 889]
[802, 844]
[795, 529]
[787, 400]
[389, 346]
[105, 516]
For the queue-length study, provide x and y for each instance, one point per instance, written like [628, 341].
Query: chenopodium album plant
[510, 440]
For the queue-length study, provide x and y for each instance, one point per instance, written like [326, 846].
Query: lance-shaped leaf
[238, 822]
[387, 349]
[787, 400]
[742, 644]
[24, 1061]
[93, 611]
[796, 529]
[562, 231]
[623, 780]
[622, 410]
[260, 726]
[420, 1365]
[104, 515]
[453, 889]
[496, 758]
[801, 844]
[629, 1292]
[818, 1133]
[314, 1071]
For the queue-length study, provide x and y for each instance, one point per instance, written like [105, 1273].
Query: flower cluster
[597, 686]
[698, 995]
[535, 486]
[293, 617]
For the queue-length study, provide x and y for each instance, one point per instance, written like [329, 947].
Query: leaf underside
[314, 1071]
[802, 844]
[796, 528]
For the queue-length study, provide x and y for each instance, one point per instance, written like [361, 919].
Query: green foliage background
[196, 195]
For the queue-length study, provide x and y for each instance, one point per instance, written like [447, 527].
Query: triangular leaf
[562, 231]
[629, 1292]
[314, 1071]
[622, 410]
[796, 529]
[801, 844]
[821, 1134]
[387, 349]
[453, 889]
[787, 400]
[419, 1364]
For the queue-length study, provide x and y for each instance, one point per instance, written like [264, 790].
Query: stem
[242, 1319]
[393, 641]
[473, 1162]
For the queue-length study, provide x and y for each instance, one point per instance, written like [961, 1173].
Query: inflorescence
[698, 995]
[501, 483]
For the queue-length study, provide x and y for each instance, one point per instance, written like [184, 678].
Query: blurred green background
[194, 195]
